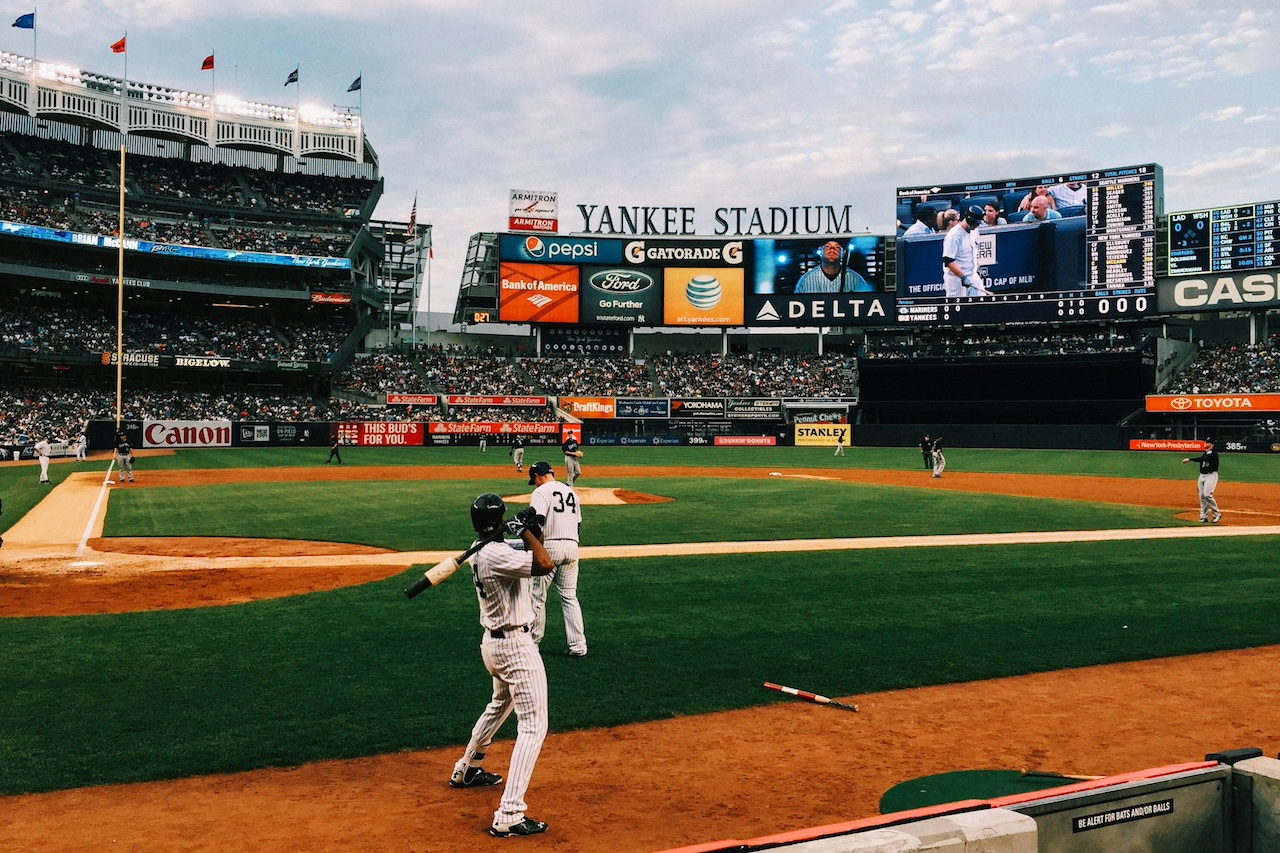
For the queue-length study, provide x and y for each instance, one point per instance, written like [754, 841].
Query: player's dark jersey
[1208, 461]
[570, 446]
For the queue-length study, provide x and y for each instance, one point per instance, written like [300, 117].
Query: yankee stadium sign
[659, 221]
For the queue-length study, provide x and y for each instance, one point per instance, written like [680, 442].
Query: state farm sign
[1214, 403]
[186, 433]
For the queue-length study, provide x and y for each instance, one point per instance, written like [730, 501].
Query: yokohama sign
[186, 433]
[1190, 403]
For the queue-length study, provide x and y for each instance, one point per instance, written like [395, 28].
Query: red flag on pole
[118, 47]
[207, 65]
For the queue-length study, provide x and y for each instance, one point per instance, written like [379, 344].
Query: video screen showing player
[818, 265]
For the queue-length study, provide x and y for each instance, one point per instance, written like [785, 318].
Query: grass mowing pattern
[91, 700]
[429, 515]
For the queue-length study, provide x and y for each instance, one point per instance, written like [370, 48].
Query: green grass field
[358, 671]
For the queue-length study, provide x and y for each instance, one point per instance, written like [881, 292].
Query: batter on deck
[502, 576]
[1207, 482]
[560, 516]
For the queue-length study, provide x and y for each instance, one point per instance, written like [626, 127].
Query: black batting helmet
[973, 215]
[487, 513]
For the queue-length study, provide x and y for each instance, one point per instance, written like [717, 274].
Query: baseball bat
[441, 571]
[1048, 774]
[812, 697]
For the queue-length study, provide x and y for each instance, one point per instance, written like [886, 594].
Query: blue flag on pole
[355, 84]
[293, 77]
[26, 22]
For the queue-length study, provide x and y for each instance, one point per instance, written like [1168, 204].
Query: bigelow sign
[186, 433]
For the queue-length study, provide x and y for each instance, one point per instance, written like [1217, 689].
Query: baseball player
[124, 458]
[82, 448]
[502, 575]
[926, 450]
[572, 467]
[830, 275]
[484, 443]
[939, 461]
[839, 443]
[959, 268]
[560, 517]
[42, 452]
[517, 453]
[1207, 482]
[334, 451]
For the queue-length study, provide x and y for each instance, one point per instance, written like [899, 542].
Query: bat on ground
[441, 571]
[812, 697]
[1048, 774]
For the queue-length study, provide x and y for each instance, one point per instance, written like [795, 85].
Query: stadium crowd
[756, 375]
[41, 324]
[1232, 368]
[986, 345]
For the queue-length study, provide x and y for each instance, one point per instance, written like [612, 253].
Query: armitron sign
[1199, 403]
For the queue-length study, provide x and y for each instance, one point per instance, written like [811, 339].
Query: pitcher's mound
[603, 497]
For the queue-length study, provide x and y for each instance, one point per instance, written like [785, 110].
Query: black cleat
[474, 777]
[528, 826]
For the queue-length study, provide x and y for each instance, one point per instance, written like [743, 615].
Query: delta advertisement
[834, 281]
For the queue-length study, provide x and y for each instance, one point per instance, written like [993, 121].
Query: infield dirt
[636, 788]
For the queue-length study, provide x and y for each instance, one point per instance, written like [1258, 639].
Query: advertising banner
[702, 296]
[492, 428]
[588, 407]
[538, 293]
[1239, 291]
[745, 441]
[481, 400]
[1183, 445]
[276, 434]
[697, 407]
[754, 408]
[532, 210]
[821, 309]
[569, 431]
[1200, 403]
[559, 250]
[621, 295]
[821, 435]
[382, 434]
[331, 298]
[411, 399]
[641, 407]
[186, 433]
[683, 253]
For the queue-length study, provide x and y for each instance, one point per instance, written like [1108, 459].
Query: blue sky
[710, 103]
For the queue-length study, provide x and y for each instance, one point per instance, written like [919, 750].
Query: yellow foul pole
[120, 295]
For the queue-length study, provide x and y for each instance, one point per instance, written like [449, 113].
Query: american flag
[412, 230]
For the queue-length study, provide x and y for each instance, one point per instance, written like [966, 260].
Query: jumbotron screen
[1242, 237]
[1077, 246]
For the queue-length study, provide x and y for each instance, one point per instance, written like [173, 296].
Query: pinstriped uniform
[559, 504]
[502, 580]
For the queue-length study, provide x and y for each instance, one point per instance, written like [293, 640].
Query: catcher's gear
[487, 512]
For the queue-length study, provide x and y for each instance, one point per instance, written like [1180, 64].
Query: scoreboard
[1092, 258]
[1225, 239]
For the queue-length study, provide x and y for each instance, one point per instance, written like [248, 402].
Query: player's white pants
[44, 469]
[572, 469]
[1208, 504]
[839, 450]
[125, 466]
[82, 453]
[519, 684]
[939, 463]
[564, 554]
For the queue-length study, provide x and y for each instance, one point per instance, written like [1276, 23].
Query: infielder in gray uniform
[1207, 482]
[517, 454]
[572, 467]
[502, 574]
[939, 461]
[560, 517]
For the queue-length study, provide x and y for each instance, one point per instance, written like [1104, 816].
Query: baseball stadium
[876, 552]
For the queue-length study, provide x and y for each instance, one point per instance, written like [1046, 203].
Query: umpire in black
[926, 450]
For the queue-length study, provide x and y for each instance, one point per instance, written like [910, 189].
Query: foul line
[97, 506]
[941, 541]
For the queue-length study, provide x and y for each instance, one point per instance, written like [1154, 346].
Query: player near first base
[560, 516]
[124, 458]
[502, 573]
[1207, 482]
[43, 449]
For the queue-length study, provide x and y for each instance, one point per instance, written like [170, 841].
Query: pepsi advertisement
[547, 249]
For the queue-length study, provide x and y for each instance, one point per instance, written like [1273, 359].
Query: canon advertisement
[176, 434]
